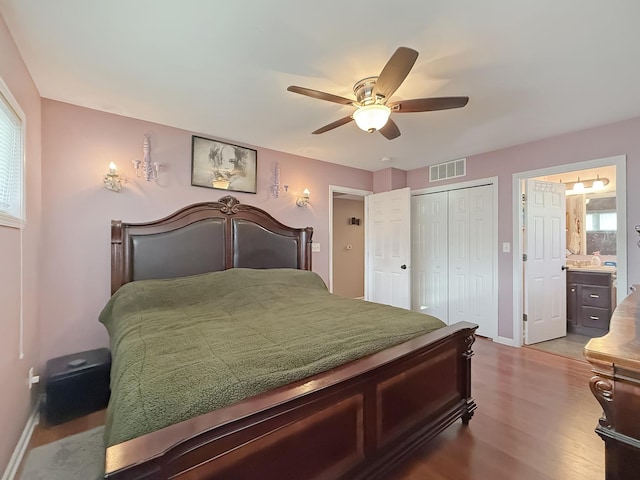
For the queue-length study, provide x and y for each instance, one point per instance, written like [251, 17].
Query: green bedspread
[183, 347]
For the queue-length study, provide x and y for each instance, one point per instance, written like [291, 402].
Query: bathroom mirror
[601, 223]
[592, 223]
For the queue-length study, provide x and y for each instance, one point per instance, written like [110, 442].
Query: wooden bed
[356, 421]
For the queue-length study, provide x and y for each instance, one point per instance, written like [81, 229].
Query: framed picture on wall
[223, 166]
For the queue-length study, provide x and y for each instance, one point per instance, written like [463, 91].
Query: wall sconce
[276, 188]
[112, 181]
[145, 167]
[303, 201]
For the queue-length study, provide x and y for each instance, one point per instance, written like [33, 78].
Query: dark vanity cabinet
[590, 302]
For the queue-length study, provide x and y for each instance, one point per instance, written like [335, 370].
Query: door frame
[620, 162]
[493, 181]
[360, 193]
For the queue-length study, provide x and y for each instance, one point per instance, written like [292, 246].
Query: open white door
[545, 298]
[389, 219]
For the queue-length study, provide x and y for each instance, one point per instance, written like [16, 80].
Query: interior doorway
[593, 285]
[347, 241]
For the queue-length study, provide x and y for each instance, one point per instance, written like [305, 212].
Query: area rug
[78, 457]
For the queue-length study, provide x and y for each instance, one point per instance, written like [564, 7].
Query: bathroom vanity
[591, 299]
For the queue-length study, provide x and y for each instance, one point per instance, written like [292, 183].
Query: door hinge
[524, 257]
[524, 317]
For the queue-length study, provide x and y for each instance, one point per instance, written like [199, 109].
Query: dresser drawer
[594, 317]
[592, 296]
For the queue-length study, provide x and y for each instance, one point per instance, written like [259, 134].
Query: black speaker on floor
[76, 385]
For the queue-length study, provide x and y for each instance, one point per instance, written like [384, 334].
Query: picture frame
[223, 166]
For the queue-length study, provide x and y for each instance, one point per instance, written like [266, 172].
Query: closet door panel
[459, 300]
[481, 259]
[430, 254]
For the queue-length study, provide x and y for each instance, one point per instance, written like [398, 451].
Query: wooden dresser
[615, 360]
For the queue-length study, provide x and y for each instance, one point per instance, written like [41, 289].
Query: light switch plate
[506, 247]
[315, 247]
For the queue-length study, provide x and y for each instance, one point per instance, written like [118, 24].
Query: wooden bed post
[471, 403]
[116, 255]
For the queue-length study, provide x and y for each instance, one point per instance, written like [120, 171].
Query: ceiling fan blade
[395, 71]
[331, 126]
[320, 95]
[390, 130]
[428, 104]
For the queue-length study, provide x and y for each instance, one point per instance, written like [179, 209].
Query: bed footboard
[354, 422]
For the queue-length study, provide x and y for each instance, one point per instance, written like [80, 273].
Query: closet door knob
[403, 267]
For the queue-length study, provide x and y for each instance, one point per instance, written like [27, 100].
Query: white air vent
[442, 171]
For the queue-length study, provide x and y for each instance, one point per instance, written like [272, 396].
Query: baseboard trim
[505, 341]
[21, 448]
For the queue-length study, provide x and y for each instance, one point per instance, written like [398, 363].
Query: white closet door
[481, 244]
[429, 257]
[453, 252]
[459, 256]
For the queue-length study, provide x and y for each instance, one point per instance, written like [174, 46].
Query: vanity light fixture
[112, 181]
[578, 186]
[581, 186]
[303, 201]
[146, 168]
[597, 184]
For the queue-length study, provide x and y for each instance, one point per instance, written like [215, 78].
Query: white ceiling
[532, 69]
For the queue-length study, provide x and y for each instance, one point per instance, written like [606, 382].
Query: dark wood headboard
[205, 237]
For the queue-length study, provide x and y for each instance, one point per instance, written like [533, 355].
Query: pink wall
[16, 400]
[78, 145]
[398, 178]
[606, 141]
[382, 180]
[389, 179]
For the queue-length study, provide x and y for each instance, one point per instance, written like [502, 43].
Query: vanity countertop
[592, 268]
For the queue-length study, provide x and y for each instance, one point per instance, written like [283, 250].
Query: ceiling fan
[373, 94]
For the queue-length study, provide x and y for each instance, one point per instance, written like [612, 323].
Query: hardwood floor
[535, 421]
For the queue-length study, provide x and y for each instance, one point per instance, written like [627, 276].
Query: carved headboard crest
[229, 204]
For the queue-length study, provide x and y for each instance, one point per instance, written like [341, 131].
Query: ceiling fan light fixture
[372, 117]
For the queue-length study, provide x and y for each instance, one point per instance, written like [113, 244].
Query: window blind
[11, 131]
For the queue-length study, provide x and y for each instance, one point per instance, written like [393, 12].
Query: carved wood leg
[602, 389]
[466, 417]
[471, 403]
